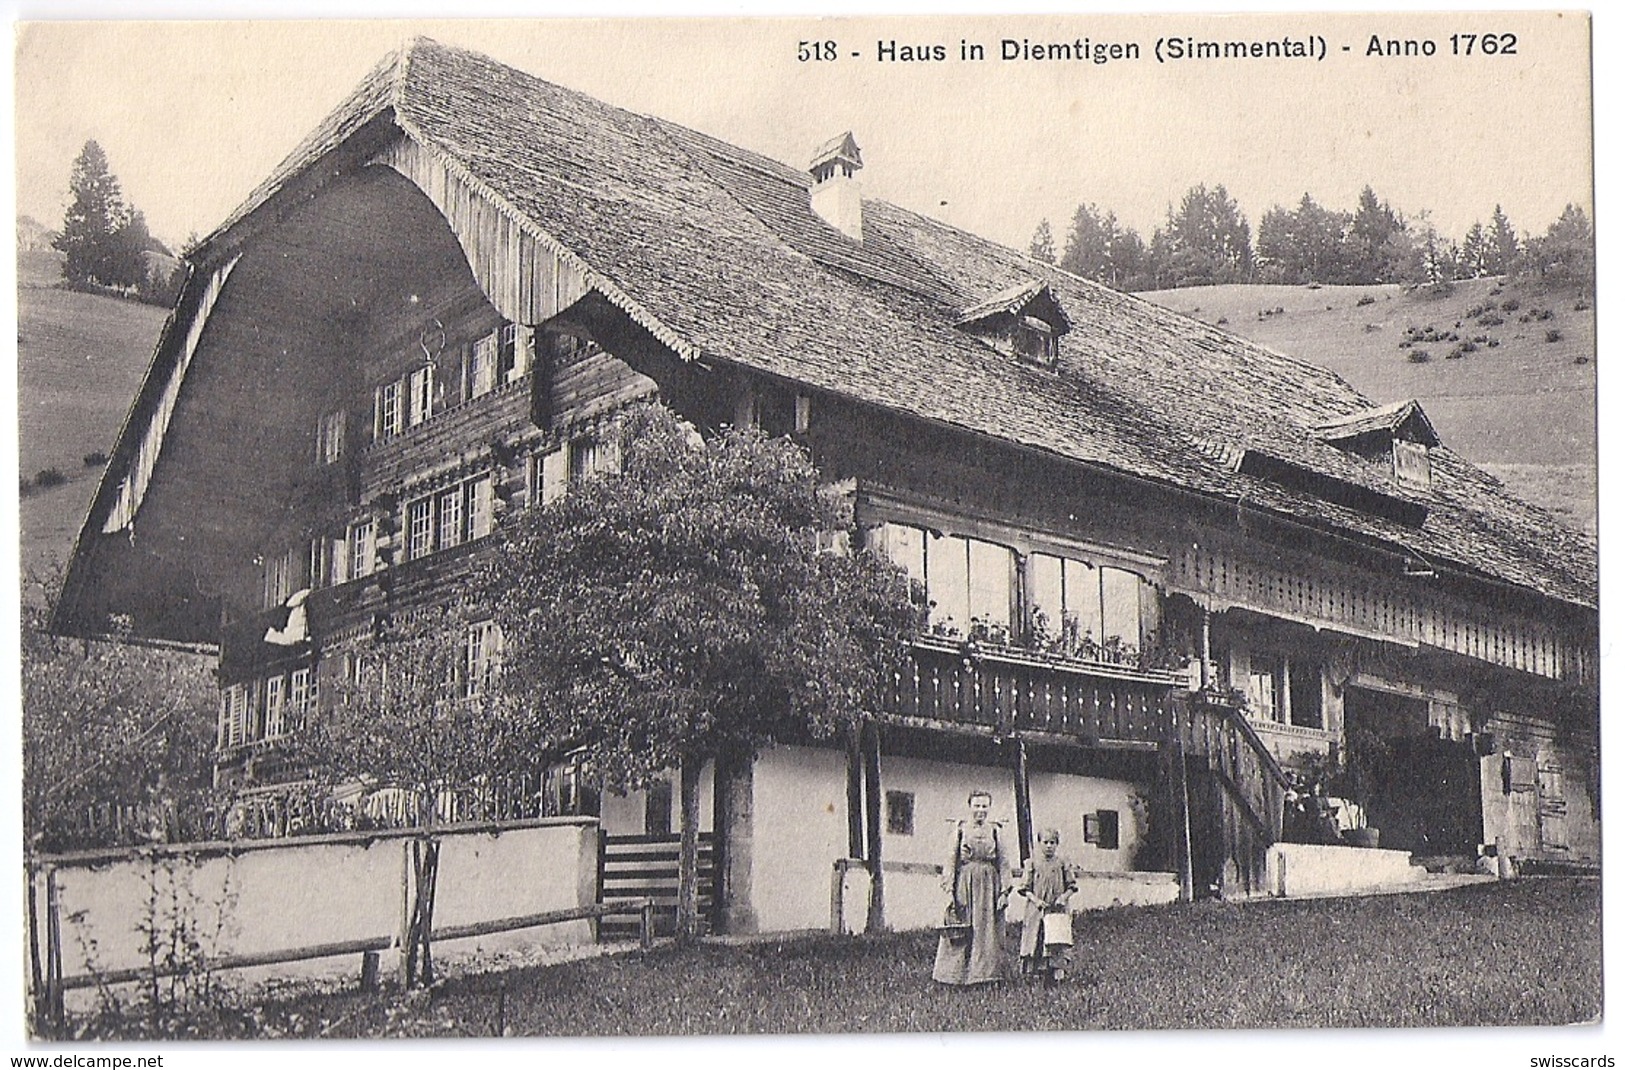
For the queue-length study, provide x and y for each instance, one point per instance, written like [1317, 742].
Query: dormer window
[1035, 340]
[1411, 465]
[1025, 321]
[1399, 434]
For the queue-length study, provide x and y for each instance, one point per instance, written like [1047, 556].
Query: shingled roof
[718, 247]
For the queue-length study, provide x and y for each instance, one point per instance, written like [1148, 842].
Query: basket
[954, 926]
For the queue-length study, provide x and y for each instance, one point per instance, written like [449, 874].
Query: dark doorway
[1423, 790]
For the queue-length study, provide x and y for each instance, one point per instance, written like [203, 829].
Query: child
[1047, 882]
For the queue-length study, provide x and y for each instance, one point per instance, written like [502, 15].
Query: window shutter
[555, 474]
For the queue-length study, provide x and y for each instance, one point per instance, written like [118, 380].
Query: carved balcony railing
[1006, 690]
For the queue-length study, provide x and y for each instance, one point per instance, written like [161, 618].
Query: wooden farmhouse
[1168, 568]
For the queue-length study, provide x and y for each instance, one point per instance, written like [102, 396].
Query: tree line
[1206, 239]
[104, 241]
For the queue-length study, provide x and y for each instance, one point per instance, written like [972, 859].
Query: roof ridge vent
[837, 195]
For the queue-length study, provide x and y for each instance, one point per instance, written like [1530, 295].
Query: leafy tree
[101, 239]
[1043, 243]
[109, 724]
[681, 611]
[1206, 240]
[1566, 255]
[416, 710]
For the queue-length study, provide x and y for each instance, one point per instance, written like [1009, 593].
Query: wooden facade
[388, 349]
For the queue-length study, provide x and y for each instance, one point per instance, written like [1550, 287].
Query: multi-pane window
[419, 527]
[1084, 605]
[275, 707]
[449, 517]
[330, 437]
[301, 698]
[481, 660]
[281, 577]
[503, 356]
[1279, 687]
[969, 582]
[419, 395]
[389, 410]
[515, 351]
[362, 549]
[480, 373]
[551, 473]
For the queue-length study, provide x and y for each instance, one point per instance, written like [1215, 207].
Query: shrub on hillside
[1419, 356]
[49, 477]
[95, 459]
[1365, 299]
[1554, 335]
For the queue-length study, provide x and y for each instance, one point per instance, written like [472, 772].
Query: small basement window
[900, 812]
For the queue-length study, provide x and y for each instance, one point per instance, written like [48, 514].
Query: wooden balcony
[1004, 690]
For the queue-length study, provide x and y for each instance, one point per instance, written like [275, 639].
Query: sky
[193, 115]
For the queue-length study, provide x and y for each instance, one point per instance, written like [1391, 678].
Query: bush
[1490, 319]
[1554, 335]
[95, 459]
[1495, 292]
[1365, 299]
[1542, 314]
[1221, 321]
[49, 477]
[1469, 346]
[1582, 359]
[1509, 305]
[1419, 356]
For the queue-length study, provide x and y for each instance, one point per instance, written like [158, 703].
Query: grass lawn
[1525, 953]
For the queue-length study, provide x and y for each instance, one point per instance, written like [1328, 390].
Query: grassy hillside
[1521, 403]
[80, 358]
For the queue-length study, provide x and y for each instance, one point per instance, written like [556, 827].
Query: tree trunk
[688, 857]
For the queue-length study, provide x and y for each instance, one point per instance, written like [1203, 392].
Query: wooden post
[36, 975]
[369, 971]
[54, 1007]
[406, 912]
[1187, 879]
[1024, 804]
[854, 794]
[874, 814]
[646, 924]
[1207, 647]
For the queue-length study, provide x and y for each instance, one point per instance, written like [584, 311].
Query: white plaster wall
[1060, 801]
[799, 831]
[301, 892]
[623, 814]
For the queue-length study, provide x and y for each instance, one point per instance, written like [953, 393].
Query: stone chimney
[837, 196]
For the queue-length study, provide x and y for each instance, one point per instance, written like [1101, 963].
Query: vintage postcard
[566, 528]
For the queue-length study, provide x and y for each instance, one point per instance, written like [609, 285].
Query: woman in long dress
[975, 879]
